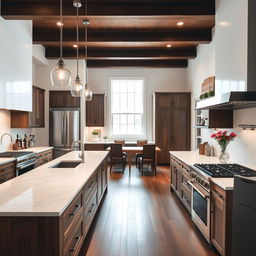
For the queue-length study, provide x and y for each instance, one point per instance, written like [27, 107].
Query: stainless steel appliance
[200, 203]
[64, 129]
[201, 174]
[244, 217]
[25, 161]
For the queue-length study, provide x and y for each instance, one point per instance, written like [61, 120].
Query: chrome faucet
[1, 140]
[73, 147]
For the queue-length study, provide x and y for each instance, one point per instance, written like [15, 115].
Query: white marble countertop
[192, 157]
[5, 160]
[48, 191]
[36, 150]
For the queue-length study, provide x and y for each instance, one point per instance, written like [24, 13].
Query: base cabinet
[43, 158]
[53, 235]
[7, 171]
[180, 175]
[221, 219]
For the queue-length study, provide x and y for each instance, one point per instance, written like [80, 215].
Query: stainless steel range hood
[230, 100]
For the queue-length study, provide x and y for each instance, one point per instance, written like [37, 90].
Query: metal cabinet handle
[91, 209]
[199, 190]
[76, 244]
[73, 213]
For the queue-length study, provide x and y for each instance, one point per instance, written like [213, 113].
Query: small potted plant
[105, 138]
[223, 139]
[95, 135]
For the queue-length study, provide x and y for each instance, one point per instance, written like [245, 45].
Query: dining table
[131, 151]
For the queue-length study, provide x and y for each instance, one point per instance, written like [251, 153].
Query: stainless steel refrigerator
[64, 128]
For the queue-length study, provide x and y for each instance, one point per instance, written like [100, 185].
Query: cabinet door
[218, 220]
[32, 115]
[179, 182]
[180, 127]
[63, 99]
[40, 108]
[95, 111]
[174, 177]
[163, 134]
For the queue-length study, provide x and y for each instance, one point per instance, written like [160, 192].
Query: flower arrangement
[223, 139]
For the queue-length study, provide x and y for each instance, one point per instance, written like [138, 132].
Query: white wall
[158, 79]
[16, 65]
[231, 45]
[226, 59]
[15, 74]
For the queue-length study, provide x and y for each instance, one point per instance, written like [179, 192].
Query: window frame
[143, 134]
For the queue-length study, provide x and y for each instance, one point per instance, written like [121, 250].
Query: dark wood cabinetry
[43, 158]
[34, 119]
[172, 123]
[56, 235]
[180, 175]
[221, 219]
[7, 171]
[96, 147]
[95, 111]
[219, 118]
[63, 99]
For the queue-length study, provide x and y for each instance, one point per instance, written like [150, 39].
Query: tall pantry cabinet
[172, 123]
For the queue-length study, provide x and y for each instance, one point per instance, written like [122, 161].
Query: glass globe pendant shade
[77, 88]
[87, 93]
[60, 76]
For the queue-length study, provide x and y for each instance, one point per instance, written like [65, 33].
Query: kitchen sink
[66, 164]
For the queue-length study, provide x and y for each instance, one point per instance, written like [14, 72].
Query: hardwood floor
[141, 217]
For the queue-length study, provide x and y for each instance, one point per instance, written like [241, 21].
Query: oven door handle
[199, 190]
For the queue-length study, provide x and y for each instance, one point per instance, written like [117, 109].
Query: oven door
[201, 209]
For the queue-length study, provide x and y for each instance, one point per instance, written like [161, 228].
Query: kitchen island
[49, 210]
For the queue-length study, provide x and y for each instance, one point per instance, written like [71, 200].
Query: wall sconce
[252, 127]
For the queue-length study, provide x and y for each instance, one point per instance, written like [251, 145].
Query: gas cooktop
[225, 170]
[14, 154]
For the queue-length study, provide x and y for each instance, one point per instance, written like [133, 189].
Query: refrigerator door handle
[65, 128]
[62, 128]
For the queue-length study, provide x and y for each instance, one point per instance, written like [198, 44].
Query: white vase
[95, 138]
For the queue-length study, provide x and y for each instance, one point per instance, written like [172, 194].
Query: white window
[127, 107]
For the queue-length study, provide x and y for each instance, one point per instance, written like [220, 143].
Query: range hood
[230, 100]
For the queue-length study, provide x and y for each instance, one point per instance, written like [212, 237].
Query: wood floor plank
[141, 217]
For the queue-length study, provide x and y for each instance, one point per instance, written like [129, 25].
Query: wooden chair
[117, 156]
[148, 156]
[140, 143]
[122, 142]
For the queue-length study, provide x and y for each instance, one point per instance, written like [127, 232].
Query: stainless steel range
[200, 182]
[25, 161]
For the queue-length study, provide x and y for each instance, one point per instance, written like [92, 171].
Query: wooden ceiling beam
[52, 35]
[137, 63]
[172, 53]
[37, 10]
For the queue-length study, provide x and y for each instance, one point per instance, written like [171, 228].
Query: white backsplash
[243, 148]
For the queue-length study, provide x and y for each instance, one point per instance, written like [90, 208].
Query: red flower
[213, 135]
[225, 132]
[232, 134]
[219, 138]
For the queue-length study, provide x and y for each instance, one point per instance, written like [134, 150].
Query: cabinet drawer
[90, 209]
[185, 183]
[71, 212]
[74, 242]
[88, 189]
[6, 177]
[186, 199]
[6, 168]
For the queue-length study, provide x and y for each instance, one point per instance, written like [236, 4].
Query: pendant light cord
[77, 39]
[61, 32]
[86, 47]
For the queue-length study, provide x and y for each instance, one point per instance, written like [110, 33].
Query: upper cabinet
[34, 119]
[16, 65]
[63, 99]
[95, 111]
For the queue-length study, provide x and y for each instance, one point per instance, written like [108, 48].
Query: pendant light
[77, 86]
[87, 91]
[60, 76]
